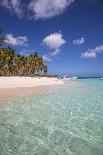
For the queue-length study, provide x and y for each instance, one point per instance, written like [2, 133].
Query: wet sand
[12, 92]
[7, 93]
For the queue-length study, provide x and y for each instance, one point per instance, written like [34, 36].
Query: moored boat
[101, 78]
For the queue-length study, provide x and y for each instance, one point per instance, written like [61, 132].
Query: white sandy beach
[21, 82]
[15, 86]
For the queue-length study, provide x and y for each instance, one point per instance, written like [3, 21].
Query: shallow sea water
[64, 122]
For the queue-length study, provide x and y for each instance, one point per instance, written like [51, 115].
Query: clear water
[66, 122]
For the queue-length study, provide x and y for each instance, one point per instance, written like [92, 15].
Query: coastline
[17, 86]
[25, 91]
[25, 82]
[25, 86]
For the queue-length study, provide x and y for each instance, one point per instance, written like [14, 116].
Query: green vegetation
[13, 64]
[1, 38]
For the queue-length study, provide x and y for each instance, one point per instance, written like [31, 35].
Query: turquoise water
[64, 122]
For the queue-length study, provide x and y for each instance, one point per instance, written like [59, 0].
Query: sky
[68, 34]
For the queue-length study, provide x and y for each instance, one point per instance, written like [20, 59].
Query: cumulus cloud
[44, 9]
[54, 42]
[79, 41]
[92, 53]
[13, 6]
[17, 41]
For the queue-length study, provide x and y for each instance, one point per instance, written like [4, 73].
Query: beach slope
[14, 86]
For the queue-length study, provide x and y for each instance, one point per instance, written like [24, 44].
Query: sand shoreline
[26, 91]
[17, 86]
[25, 86]
[18, 82]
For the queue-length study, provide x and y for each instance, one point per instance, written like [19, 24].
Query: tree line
[14, 64]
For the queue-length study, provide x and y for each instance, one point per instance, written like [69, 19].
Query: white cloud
[53, 42]
[46, 58]
[89, 54]
[55, 52]
[13, 6]
[37, 9]
[44, 9]
[92, 53]
[79, 41]
[17, 41]
[49, 56]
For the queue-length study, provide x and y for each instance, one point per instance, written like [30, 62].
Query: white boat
[74, 77]
[66, 77]
[101, 78]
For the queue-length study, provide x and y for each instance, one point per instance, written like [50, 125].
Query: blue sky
[68, 34]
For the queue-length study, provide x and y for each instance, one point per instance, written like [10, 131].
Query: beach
[16, 86]
[24, 86]
[17, 82]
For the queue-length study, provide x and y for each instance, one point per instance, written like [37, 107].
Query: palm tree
[1, 38]
[39, 63]
[20, 62]
[9, 60]
[12, 63]
[2, 61]
[17, 64]
[45, 69]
